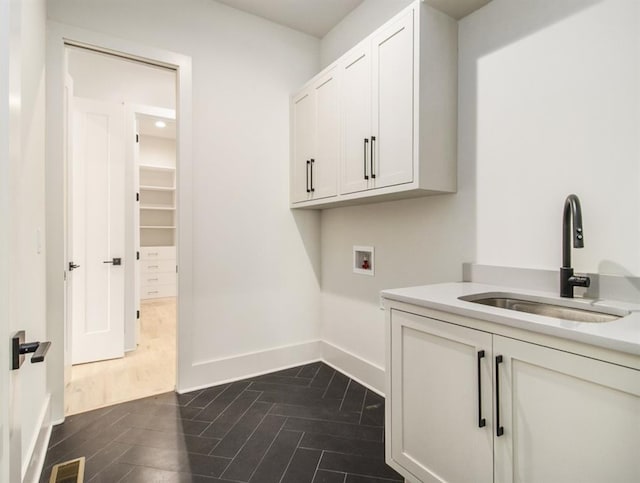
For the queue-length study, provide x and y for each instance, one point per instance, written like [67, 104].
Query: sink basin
[531, 305]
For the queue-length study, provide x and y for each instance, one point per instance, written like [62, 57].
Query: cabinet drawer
[157, 278]
[154, 266]
[157, 253]
[157, 291]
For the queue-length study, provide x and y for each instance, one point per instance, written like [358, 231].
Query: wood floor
[149, 370]
[308, 424]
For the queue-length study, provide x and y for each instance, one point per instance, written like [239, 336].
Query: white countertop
[622, 334]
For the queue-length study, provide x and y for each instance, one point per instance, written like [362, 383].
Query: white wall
[547, 106]
[553, 105]
[416, 241]
[114, 79]
[362, 21]
[155, 151]
[255, 262]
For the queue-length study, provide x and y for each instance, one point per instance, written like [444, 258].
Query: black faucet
[567, 279]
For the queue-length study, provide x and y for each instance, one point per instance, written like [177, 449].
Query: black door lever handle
[115, 261]
[73, 266]
[19, 348]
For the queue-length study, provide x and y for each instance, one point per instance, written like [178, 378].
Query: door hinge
[137, 255]
[137, 314]
[137, 196]
[137, 138]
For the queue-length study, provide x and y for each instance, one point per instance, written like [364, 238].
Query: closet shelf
[157, 188]
[157, 207]
[156, 168]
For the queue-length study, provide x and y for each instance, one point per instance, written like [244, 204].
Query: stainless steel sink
[520, 303]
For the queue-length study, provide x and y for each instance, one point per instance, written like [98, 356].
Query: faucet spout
[572, 211]
[571, 230]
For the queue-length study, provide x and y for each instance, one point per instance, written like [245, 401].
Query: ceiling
[147, 127]
[317, 17]
[314, 17]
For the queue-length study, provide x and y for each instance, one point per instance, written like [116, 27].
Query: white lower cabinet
[157, 272]
[467, 405]
[436, 432]
[566, 418]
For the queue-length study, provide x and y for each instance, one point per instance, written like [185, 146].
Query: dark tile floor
[301, 425]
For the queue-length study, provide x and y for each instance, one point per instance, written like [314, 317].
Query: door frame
[58, 37]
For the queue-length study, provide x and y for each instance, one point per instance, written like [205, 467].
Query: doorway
[121, 213]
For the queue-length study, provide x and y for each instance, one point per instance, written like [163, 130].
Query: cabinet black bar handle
[373, 174]
[499, 429]
[312, 162]
[482, 422]
[308, 164]
[366, 146]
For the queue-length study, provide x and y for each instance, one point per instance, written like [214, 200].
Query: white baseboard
[235, 368]
[230, 369]
[33, 460]
[358, 369]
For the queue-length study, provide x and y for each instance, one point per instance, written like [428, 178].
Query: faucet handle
[579, 281]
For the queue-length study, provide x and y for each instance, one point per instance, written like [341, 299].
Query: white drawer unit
[158, 253]
[158, 279]
[158, 266]
[157, 272]
[158, 291]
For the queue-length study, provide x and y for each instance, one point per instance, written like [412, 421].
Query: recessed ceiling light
[161, 124]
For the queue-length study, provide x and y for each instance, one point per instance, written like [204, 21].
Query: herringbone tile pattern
[308, 424]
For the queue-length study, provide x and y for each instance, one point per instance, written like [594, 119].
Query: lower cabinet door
[440, 409]
[566, 418]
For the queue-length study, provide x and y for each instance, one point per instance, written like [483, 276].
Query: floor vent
[68, 472]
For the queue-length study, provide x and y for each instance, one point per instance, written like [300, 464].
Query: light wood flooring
[149, 370]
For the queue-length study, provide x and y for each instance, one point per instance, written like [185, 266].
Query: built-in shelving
[157, 205]
[157, 188]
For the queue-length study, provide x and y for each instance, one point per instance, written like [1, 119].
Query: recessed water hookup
[363, 260]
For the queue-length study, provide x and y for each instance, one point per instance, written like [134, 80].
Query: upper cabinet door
[393, 103]
[303, 144]
[326, 160]
[356, 119]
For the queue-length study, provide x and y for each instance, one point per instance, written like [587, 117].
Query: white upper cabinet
[393, 128]
[397, 104]
[315, 150]
[356, 119]
[324, 166]
[302, 148]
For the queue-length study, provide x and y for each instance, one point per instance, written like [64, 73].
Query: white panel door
[97, 225]
[565, 418]
[303, 145]
[439, 374]
[356, 119]
[326, 159]
[10, 161]
[393, 103]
